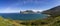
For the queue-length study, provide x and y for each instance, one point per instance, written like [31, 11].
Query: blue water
[17, 16]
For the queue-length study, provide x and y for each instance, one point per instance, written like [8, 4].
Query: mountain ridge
[54, 12]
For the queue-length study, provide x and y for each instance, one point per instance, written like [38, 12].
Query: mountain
[54, 12]
[29, 12]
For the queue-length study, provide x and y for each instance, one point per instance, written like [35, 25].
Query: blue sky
[12, 6]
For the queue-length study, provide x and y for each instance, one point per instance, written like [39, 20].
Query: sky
[13, 6]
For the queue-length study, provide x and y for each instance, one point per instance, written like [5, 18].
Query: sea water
[18, 16]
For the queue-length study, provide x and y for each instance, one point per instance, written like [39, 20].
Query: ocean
[18, 16]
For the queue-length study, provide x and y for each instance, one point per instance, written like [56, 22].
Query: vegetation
[54, 12]
[8, 22]
[44, 22]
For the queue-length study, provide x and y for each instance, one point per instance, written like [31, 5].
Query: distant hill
[54, 12]
[29, 12]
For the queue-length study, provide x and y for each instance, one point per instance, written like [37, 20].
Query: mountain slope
[53, 11]
[8, 22]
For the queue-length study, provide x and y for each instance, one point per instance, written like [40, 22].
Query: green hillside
[44, 22]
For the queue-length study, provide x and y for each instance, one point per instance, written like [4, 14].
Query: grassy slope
[8, 22]
[48, 22]
[45, 22]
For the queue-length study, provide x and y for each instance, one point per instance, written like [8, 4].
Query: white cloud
[9, 10]
[37, 10]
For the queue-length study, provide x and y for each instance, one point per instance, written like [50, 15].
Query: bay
[18, 16]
